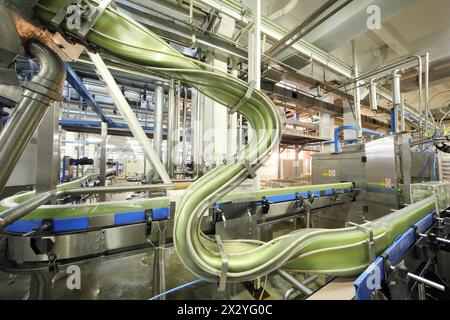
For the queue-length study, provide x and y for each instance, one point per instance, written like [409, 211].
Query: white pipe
[357, 93]
[283, 11]
[128, 114]
[257, 52]
[158, 119]
[373, 98]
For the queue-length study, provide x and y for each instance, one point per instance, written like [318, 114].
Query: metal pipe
[171, 114]
[196, 131]
[98, 190]
[396, 97]
[304, 282]
[339, 129]
[373, 73]
[15, 213]
[281, 44]
[257, 49]
[373, 98]
[396, 93]
[426, 281]
[44, 88]
[177, 149]
[185, 145]
[357, 94]
[295, 283]
[427, 88]
[419, 62]
[158, 118]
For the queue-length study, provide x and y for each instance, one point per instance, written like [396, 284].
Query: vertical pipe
[184, 125]
[402, 116]
[419, 62]
[373, 95]
[240, 136]
[28, 114]
[427, 88]
[357, 93]
[257, 53]
[396, 99]
[201, 130]
[104, 134]
[279, 162]
[393, 120]
[194, 128]
[157, 131]
[177, 126]
[170, 128]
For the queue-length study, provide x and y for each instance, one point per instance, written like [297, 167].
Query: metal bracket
[371, 242]
[265, 204]
[248, 94]
[224, 269]
[89, 15]
[299, 200]
[307, 205]
[336, 194]
[251, 171]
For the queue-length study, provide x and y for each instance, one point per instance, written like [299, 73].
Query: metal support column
[47, 150]
[104, 134]
[157, 123]
[171, 113]
[158, 120]
[128, 114]
[159, 271]
[197, 99]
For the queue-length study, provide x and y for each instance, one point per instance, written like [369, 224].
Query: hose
[340, 251]
[189, 284]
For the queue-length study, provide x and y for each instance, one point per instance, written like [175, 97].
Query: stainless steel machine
[383, 170]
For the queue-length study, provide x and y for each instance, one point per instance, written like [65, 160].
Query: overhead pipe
[44, 88]
[280, 45]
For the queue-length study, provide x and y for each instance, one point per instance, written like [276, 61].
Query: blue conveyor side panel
[70, 224]
[374, 274]
[160, 214]
[24, 226]
[129, 217]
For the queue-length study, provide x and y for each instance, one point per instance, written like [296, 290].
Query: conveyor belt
[339, 251]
